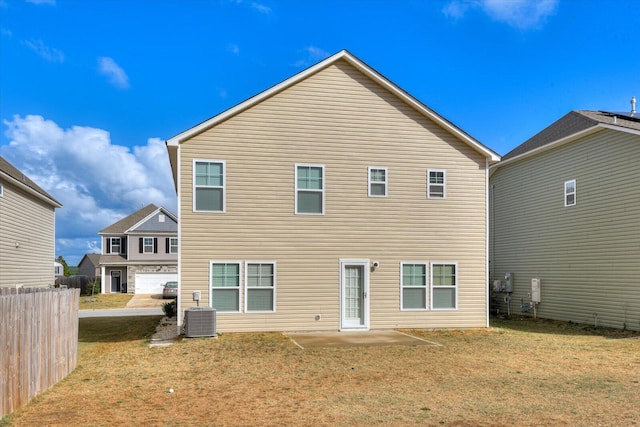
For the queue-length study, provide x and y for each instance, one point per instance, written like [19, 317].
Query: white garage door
[148, 283]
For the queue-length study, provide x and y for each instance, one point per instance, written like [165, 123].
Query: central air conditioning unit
[199, 322]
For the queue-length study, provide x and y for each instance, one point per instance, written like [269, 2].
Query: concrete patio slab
[307, 340]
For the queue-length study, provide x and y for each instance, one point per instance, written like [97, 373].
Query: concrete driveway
[139, 305]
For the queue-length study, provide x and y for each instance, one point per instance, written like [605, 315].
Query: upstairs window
[377, 182]
[1, 190]
[570, 193]
[114, 245]
[309, 189]
[173, 245]
[436, 184]
[209, 186]
[148, 245]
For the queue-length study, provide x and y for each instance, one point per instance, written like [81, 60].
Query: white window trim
[431, 287]
[426, 289]
[171, 251]
[1, 190]
[296, 166]
[211, 262]
[385, 182]
[247, 287]
[144, 245]
[223, 186]
[111, 239]
[574, 193]
[444, 184]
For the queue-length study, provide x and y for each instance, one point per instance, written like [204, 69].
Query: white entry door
[354, 289]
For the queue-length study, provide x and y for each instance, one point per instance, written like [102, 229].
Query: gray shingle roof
[13, 172]
[573, 122]
[127, 222]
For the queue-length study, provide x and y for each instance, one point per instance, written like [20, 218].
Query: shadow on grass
[547, 326]
[117, 329]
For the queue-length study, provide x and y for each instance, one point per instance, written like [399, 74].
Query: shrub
[169, 308]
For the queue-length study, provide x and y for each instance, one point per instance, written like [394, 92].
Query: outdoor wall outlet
[318, 317]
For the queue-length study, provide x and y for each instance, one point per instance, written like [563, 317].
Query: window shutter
[123, 245]
[155, 245]
[167, 245]
[108, 245]
[141, 245]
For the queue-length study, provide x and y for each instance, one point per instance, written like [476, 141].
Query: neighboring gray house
[140, 252]
[90, 266]
[565, 210]
[27, 230]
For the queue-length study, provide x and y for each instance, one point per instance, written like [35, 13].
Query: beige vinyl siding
[30, 223]
[342, 120]
[588, 255]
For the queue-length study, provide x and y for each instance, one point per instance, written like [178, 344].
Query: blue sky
[90, 90]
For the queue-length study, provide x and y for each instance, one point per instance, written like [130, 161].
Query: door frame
[364, 263]
[112, 276]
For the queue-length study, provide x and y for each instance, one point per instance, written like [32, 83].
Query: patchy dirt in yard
[516, 373]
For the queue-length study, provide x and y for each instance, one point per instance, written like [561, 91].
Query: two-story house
[565, 221]
[140, 252]
[27, 230]
[333, 201]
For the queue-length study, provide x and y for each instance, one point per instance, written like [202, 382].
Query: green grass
[116, 329]
[104, 301]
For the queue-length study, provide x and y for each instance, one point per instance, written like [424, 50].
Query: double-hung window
[260, 279]
[147, 245]
[377, 182]
[436, 184]
[570, 193]
[114, 245]
[444, 285]
[309, 189]
[225, 286]
[413, 283]
[173, 245]
[209, 186]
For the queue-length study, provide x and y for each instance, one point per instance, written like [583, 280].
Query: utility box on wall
[508, 282]
[535, 290]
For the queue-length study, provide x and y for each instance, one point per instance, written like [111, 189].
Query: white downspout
[486, 251]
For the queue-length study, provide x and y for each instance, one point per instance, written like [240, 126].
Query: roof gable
[13, 175]
[174, 142]
[571, 126]
[145, 218]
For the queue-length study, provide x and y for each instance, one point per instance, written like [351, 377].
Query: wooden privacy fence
[38, 342]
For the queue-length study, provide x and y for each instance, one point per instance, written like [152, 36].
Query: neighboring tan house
[27, 230]
[333, 201]
[566, 211]
[89, 266]
[140, 252]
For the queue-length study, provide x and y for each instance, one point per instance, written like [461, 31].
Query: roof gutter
[50, 200]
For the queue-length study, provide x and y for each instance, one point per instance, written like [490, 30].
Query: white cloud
[312, 55]
[520, 14]
[261, 8]
[48, 53]
[96, 181]
[233, 48]
[116, 75]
